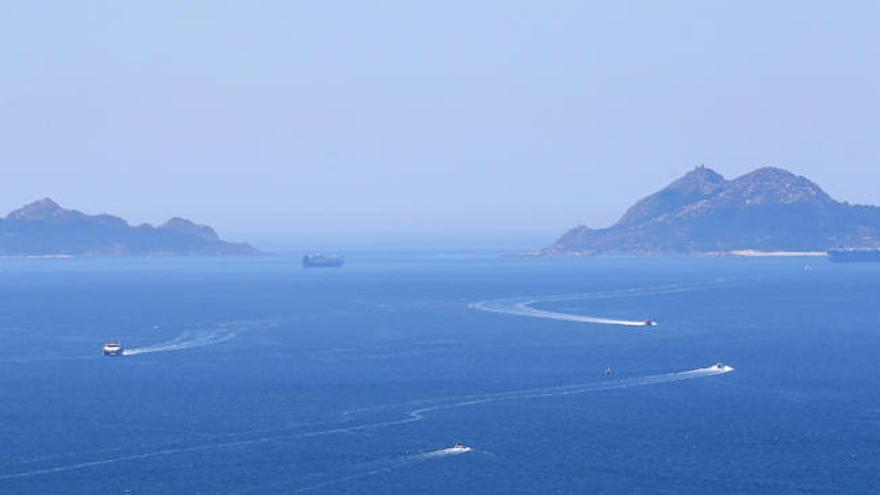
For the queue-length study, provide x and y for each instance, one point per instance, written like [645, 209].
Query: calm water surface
[253, 375]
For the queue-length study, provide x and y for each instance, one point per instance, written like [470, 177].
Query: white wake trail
[388, 466]
[197, 338]
[524, 306]
[564, 390]
[409, 416]
[420, 414]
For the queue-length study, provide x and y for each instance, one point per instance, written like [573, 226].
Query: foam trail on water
[420, 414]
[409, 416]
[115, 460]
[195, 338]
[389, 466]
[186, 340]
[524, 306]
[563, 390]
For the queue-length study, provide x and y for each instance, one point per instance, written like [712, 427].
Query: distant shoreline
[36, 256]
[784, 254]
[750, 253]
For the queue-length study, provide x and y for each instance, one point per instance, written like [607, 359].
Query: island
[43, 228]
[769, 210]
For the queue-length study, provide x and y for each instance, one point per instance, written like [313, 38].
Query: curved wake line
[189, 339]
[524, 306]
[196, 338]
[410, 416]
[186, 340]
[564, 390]
[396, 464]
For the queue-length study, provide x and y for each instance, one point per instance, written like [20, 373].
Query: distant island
[769, 210]
[43, 228]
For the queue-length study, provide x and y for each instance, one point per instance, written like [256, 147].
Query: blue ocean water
[252, 375]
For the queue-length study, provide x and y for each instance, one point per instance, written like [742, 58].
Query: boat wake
[408, 412]
[525, 306]
[432, 405]
[197, 338]
[380, 467]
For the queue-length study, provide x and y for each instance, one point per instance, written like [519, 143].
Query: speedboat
[721, 367]
[459, 447]
[649, 323]
[112, 349]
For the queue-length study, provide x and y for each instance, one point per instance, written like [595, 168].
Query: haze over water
[319, 124]
[250, 375]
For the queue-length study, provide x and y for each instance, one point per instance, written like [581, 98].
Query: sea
[439, 372]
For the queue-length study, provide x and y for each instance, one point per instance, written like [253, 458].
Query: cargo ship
[322, 261]
[854, 255]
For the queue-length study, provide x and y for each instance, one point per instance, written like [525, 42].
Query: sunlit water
[252, 375]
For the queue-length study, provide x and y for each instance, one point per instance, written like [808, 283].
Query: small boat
[608, 371]
[459, 447]
[649, 323]
[112, 349]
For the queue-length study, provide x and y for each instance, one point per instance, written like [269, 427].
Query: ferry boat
[322, 261]
[112, 349]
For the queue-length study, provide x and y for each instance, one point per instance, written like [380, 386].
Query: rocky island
[43, 228]
[767, 210]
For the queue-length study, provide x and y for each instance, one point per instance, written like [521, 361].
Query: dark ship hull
[322, 261]
[854, 255]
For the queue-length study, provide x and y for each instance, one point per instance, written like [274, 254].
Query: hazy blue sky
[305, 122]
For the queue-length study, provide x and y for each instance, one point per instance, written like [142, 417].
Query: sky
[294, 124]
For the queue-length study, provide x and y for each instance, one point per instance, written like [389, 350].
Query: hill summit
[45, 228]
[769, 209]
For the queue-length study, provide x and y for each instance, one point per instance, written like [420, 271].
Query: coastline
[751, 253]
[784, 254]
